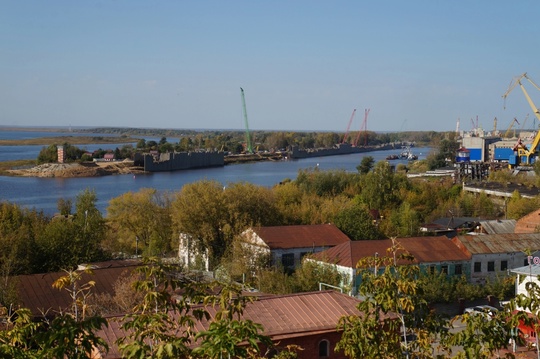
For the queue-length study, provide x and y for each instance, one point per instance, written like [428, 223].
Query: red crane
[348, 127]
[363, 129]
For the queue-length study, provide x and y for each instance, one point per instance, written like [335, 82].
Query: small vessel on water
[392, 157]
[407, 154]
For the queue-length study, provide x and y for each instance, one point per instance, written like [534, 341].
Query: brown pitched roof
[348, 254]
[433, 249]
[528, 223]
[424, 250]
[284, 316]
[498, 243]
[37, 294]
[284, 237]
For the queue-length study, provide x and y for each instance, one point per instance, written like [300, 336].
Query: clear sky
[303, 64]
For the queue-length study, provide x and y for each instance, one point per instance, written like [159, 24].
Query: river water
[43, 193]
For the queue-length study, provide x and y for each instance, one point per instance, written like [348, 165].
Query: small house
[308, 320]
[493, 254]
[109, 156]
[287, 245]
[432, 254]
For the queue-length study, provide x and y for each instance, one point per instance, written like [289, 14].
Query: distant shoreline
[75, 140]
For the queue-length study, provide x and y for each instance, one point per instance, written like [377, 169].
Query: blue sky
[304, 65]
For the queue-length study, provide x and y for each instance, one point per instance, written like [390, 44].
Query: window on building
[458, 269]
[444, 269]
[287, 260]
[432, 269]
[504, 265]
[324, 349]
[526, 262]
[491, 266]
[477, 267]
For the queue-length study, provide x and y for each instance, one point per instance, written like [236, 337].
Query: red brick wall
[310, 345]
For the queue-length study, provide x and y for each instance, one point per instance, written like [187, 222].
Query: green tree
[249, 205]
[161, 326]
[381, 187]
[356, 222]
[366, 165]
[72, 153]
[274, 280]
[484, 335]
[91, 228]
[18, 230]
[517, 206]
[141, 144]
[199, 210]
[327, 183]
[311, 274]
[445, 152]
[18, 337]
[64, 206]
[403, 222]
[140, 222]
[56, 246]
[48, 154]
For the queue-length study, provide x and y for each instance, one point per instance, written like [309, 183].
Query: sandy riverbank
[69, 170]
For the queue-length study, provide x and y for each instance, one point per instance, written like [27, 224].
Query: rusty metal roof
[286, 237]
[498, 243]
[423, 249]
[282, 316]
[37, 294]
[433, 249]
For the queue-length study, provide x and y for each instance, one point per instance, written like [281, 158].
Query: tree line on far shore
[234, 142]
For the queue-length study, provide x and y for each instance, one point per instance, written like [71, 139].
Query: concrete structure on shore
[173, 161]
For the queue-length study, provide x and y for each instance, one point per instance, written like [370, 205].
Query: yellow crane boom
[525, 154]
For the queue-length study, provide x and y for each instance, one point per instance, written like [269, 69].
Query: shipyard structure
[173, 161]
[478, 146]
[517, 148]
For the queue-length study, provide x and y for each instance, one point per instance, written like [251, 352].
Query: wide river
[43, 193]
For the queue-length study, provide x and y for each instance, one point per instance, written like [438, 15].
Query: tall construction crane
[509, 129]
[524, 154]
[249, 148]
[348, 127]
[364, 128]
[474, 125]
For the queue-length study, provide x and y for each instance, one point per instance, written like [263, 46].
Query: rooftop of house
[35, 291]
[282, 316]
[304, 236]
[498, 243]
[532, 270]
[498, 226]
[457, 222]
[423, 249]
[528, 223]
